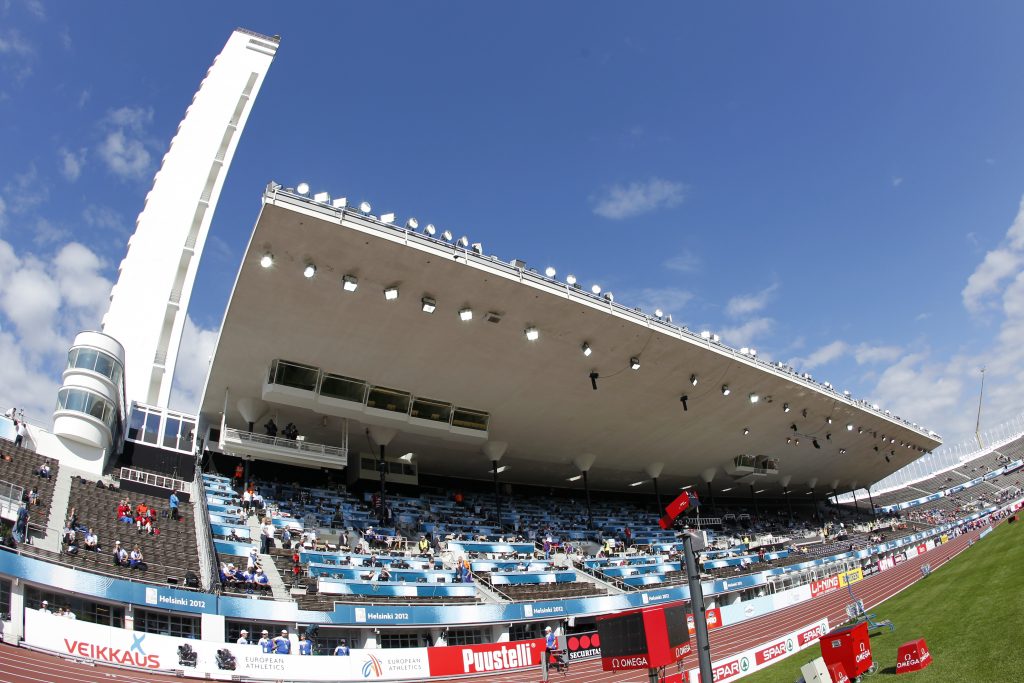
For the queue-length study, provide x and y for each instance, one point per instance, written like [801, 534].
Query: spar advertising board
[767, 653]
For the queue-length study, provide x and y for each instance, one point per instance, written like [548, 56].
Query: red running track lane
[22, 665]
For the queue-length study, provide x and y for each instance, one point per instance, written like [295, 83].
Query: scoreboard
[644, 639]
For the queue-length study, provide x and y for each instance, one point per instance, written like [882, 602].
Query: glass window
[75, 400]
[72, 355]
[297, 376]
[86, 359]
[345, 388]
[105, 365]
[5, 599]
[401, 640]
[152, 427]
[388, 399]
[175, 625]
[470, 419]
[427, 409]
[85, 610]
[96, 405]
[524, 631]
[171, 428]
[135, 423]
[186, 438]
[465, 636]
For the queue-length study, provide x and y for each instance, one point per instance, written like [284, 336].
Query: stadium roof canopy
[537, 395]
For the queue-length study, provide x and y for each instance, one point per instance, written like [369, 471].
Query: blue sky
[835, 184]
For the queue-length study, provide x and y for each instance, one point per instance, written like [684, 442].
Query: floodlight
[849, 428]
[705, 334]
[408, 457]
[726, 489]
[586, 349]
[501, 469]
[429, 305]
[576, 478]
[430, 229]
[477, 247]
[309, 271]
[466, 314]
[412, 224]
[694, 380]
[302, 188]
[746, 430]
[815, 443]
[267, 260]
[391, 293]
[658, 312]
[754, 398]
[634, 363]
[531, 333]
[726, 390]
[637, 483]
[340, 202]
[570, 279]
[609, 297]
[463, 242]
[447, 235]
[828, 420]
[365, 207]
[349, 283]
[550, 271]
[785, 407]
[596, 289]
[387, 217]
[322, 197]
[593, 380]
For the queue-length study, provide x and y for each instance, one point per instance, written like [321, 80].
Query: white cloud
[197, 345]
[45, 232]
[83, 98]
[865, 353]
[44, 302]
[748, 332]
[65, 38]
[927, 392]
[106, 218]
[671, 300]
[896, 182]
[637, 198]
[37, 8]
[999, 265]
[71, 163]
[3, 213]
[12, 43]
[818, 357]
[26, 191]
[123, 149]
[750, 303]
[685, 262]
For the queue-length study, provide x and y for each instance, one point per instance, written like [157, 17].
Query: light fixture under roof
[634, 363]
[596, 289]
[726, 390]
[412, 224]
[267, 260]
[349, 283]
[501, 469]
[408, 457]
[309, 271]
[391, 293]
[746, 430]
[576, 478]
[532, 334]
[726, 489]
[585, 348]
[849, 427]
[694, 380]
[754, 398]
[609, 297]
[785, 407]
[828, 420]
[302, 188]
[570, 279]
[466, 314]
[428, 304]
[637, 483]
[550, 271]
[365, 207]
[430, 229]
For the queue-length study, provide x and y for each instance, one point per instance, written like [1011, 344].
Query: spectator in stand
[173, 502]
[246, 501]
[92, 541]
[262, 580]
[141, 509]
[239, 473]
[124, 511]
[385, 574]
[120, 555]
[305, 646]
[68, 536]
[249, 578]
[243, 637]
[265, 643]
[282, 645]
[253, 559]
[22, 433]
[44, 606]
[296, 572]
[44, 470]
[342, 649]
[271, 428]
[144, 523]
[286, 539]
[135, 559]
[267, 536]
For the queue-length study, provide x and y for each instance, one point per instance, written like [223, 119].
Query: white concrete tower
[154, 285]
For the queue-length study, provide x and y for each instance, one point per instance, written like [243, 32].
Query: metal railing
[151, 479]
[208, 568]
[10, 498]
[298, 445]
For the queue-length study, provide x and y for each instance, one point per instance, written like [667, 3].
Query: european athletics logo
[372, 666]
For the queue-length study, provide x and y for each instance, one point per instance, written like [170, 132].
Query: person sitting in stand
[44, 470]
[135, 559]
[249, 579]
[92, 541]
[124, 511]
[262, 581]
[120, 555]
[286, 539]
[144, 523]
[385, 574]
[68, 536]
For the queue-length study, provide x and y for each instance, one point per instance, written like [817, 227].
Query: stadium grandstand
[423, 456]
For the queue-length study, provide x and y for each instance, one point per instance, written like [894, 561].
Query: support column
[382, 436]
[16, 632]
[853, 490]
[874, 514]
[654, 471]
[583, 463]
[753, 499]
[811, 483]
[785, 490]
[707, 476]
[495, 450]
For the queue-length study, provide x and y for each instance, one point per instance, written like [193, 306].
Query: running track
[21, 665]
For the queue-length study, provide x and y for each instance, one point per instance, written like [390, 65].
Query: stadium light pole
[700, 621]
[871, 499]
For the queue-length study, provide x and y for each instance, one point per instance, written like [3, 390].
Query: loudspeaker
[191, 580]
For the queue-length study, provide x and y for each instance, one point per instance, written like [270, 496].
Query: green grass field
[970, 611]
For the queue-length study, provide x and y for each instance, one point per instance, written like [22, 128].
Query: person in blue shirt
[282, 645]
[266, 644]
[305, 646]
[173, 501]
[550, 639]
[342, 650]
